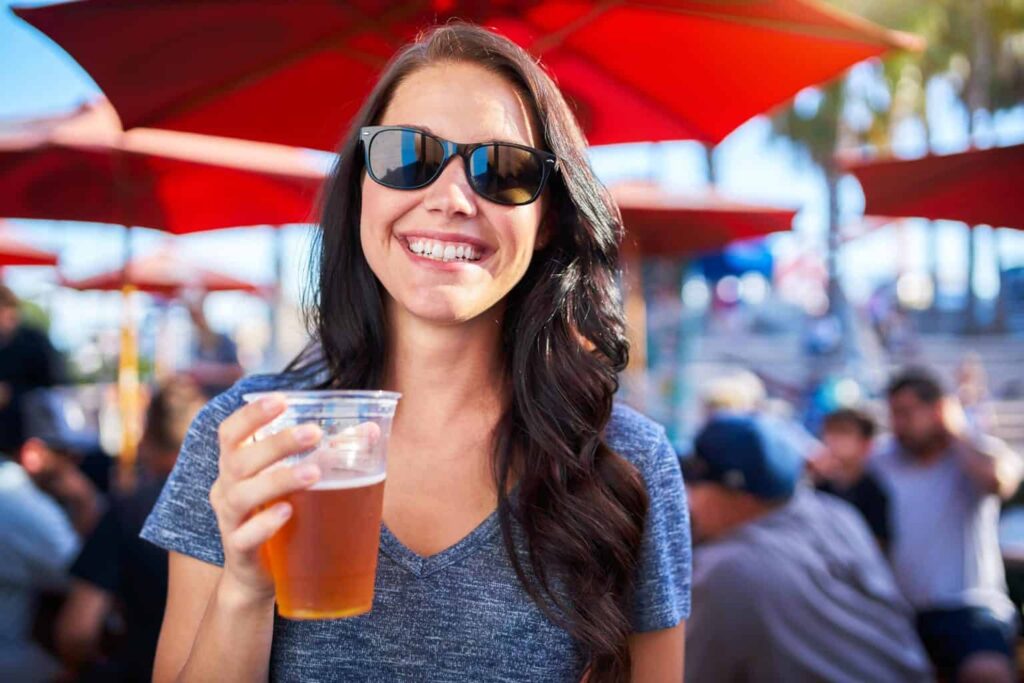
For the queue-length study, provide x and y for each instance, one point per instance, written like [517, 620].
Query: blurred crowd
[81, 596]
[864, 550]
[853, 556]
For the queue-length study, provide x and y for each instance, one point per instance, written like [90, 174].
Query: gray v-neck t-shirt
[459, 615]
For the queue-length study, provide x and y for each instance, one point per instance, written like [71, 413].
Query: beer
[324, 559]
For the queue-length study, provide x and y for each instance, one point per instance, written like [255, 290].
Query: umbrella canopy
[296, 72]
[83, 167]
[164, 273]
[14, 252]
[667, 224]
[978, 187]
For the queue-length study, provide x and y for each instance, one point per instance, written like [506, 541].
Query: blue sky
[37, 77]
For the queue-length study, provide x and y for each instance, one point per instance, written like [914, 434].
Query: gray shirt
[800, 594]
[37, 544]
[945, 545]
[459, 615]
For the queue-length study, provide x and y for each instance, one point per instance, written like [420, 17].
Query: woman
[531, 530]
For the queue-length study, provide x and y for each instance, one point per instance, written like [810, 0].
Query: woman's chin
[442, 310]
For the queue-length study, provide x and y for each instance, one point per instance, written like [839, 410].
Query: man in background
[27, 361]
[788, 584]
[945, 487]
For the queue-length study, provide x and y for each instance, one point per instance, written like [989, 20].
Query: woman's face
[462, 103]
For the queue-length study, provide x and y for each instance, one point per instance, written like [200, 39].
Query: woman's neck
[444, 370]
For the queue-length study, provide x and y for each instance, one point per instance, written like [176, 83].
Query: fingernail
[283, 510]
[307, 473]
[271, 404]
[307, 434]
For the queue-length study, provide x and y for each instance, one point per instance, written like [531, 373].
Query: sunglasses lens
[404, 158]
[505, 174]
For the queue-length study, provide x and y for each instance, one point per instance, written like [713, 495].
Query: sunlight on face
[462, 103]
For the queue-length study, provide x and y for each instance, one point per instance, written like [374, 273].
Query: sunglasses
[500, 172]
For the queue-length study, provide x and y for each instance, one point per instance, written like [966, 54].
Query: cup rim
[308, 397]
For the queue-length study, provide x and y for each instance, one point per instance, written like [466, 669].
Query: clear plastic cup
[324, 559]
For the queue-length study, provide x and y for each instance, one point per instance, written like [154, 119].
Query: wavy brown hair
[580, 505]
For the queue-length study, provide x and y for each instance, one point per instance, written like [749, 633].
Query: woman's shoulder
[635, 436]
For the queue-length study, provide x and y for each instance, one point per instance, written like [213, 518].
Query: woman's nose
[451, 192]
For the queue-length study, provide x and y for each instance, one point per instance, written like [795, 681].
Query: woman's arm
[658, 655]
[212, 630]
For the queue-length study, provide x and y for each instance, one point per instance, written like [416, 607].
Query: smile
[436, 250]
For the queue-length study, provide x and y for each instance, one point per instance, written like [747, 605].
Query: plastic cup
[324, 559]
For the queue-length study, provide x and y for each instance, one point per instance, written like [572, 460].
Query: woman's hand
[246, 485]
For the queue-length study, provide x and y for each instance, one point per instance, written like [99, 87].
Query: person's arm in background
[79, 627]
[989, 462]
[59, 477]
[96, 577]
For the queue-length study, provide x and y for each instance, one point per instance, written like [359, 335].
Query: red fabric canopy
[665, 224]
[164, 273]
[979, 187]
[296, 72]
[83, 167]
[14, 252]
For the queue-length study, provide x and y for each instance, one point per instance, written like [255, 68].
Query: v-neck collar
[421, 566]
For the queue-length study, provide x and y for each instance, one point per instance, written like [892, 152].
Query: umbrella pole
[128, 389]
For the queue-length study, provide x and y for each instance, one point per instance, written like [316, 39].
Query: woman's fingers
[259, 528]
[247, 461]
[243, 423]
[249, 494]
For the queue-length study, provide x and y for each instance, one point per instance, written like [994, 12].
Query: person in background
[27, 361]
[944, 489]
[788, 584]
[215, 363]
[841, 468]
[972, 392]
[117, 570]
[46, 504]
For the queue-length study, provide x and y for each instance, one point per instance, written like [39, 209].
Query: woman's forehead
[463, 103]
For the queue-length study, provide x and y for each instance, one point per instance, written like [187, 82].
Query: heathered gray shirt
[799, 595]
[459, 615]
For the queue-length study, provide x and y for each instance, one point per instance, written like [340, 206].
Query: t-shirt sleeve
[182, 520]
[98, 562]
[662, 593]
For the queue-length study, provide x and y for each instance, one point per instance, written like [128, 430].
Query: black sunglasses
[500, 172]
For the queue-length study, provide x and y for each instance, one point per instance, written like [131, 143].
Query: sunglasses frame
[549, 161]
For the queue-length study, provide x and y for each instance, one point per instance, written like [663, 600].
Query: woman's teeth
[443, 251]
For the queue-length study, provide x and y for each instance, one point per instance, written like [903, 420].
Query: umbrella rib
[251, 75]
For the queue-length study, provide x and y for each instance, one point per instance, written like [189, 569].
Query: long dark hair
[581, 506]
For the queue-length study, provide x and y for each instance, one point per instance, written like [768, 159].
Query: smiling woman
[533, 529]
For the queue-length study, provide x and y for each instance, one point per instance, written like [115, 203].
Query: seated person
[788, 584]
[118, 570]
[841, 468]
[945, 484]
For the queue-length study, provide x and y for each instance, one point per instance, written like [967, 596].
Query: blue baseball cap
[746, 453]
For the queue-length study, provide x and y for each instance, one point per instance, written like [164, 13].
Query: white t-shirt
[945, 545]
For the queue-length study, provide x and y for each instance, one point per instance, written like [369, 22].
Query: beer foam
[358, 480]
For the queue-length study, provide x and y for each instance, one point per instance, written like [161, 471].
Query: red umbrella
[164, 273]
[978, 187]
[83, 167]
[667, 224]
[14, 252]
[296, 72]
